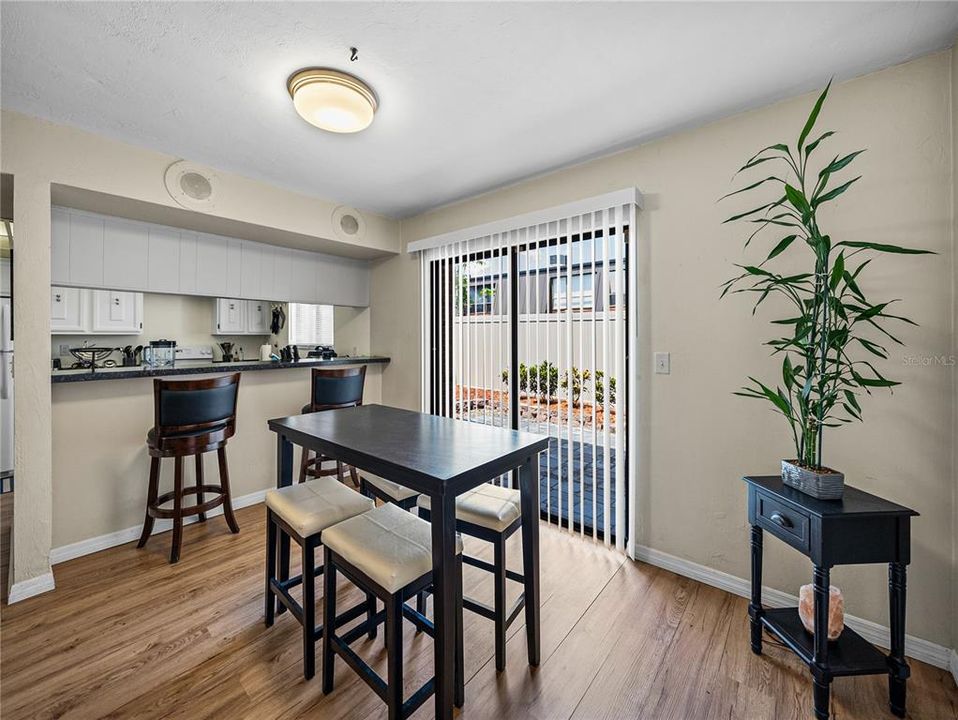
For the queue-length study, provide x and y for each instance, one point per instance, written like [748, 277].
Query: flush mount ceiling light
[332, 100]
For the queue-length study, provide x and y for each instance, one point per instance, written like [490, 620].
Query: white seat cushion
[394, 490]
[390, 545]
[313, 506]
[490, 506]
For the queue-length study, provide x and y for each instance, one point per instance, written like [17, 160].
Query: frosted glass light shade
[332, 100]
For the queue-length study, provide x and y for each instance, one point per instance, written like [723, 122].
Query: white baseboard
[917, 648]
[103, 542]
[28, 588]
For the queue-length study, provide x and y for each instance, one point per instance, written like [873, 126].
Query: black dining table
[441, 458]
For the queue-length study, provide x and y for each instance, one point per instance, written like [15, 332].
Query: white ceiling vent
[191, 185]
[348, 224]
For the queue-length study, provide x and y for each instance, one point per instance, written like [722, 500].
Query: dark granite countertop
[192, 367]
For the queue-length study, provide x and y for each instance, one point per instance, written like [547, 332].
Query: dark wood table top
[423, 451]
[853, 502]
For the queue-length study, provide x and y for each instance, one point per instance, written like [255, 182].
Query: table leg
[443, 518]
[529, 494]
[755, 606]
[898, 670]
[284, 478]
[820, 673]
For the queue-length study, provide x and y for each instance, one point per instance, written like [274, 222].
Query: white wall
[700, 439]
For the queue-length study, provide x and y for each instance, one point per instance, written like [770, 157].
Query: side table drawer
[783, 521]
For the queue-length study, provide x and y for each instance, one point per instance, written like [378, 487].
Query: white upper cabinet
[86, 249]
[188, 263]
[100, 251]
[258, 316]
[60, 246]
[251, 279]
[125, 244]
[164, 260]
[117, 312]
[67, 310]
[230, 317]
[212, 255]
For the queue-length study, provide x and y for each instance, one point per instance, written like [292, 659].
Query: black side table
[859, 528]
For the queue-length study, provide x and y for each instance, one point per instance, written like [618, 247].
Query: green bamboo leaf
[883, 248]
[746, 214]
[852, 400]
[814, 144]
[796, 198]
[832, 194]
[781, 147]
[876, 382]
[750, 187]
[837, 271]
[788, 373]
[781, 247]
[837, 164]
[813, 116]
[873, 348]
[851, 411]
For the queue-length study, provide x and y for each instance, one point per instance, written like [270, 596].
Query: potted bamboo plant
[832, 332]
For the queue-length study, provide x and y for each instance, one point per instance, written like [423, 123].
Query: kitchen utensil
[160, 353]
[227, 348]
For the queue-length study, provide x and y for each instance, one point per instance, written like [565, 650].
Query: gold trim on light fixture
[334, 110]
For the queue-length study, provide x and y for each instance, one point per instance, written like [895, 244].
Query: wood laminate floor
[125, 635]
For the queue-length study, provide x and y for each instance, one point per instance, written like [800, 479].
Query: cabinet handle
[57, 297]
[780, 520]
[116, 299]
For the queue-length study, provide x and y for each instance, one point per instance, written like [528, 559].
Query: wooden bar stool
[191, 417]
[386, 552]
[331, 389]
[491, 513]
[303, 512]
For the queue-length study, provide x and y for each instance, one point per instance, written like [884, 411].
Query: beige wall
[699, 438]
[954, 330]
[40, 154]
[100, 464]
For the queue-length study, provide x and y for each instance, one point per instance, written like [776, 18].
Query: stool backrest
[194, 406]
[337, 388]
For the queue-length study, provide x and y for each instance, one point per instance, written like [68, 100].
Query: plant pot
[823, 486]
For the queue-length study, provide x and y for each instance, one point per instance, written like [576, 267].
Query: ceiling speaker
[191, 186]
[348, 223]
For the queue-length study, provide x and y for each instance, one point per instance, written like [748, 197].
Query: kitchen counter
[197, 367]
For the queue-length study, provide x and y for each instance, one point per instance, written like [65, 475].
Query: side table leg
[820, 671]
[755, 606]
[898, 670]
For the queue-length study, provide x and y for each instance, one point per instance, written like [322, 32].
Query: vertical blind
[310, 324]
[532, 324]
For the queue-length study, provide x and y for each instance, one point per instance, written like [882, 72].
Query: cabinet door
[117, 312]
[302, 279]
[212, 252]
[66, 310]
[125, 254]
[164, 260]
[187, 262]
[267, 288]
[281, 273]
[230, 317]
[86, 250]
[258, 315]
[60, 246]
[234, 268]
[250, 277]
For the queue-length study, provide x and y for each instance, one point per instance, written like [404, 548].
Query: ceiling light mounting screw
[353, 54]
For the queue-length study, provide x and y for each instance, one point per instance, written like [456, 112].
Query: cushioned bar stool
[386, 551]
[491, 513]
[386, 490]
[303, 512]
[331, 389]
[191, 417]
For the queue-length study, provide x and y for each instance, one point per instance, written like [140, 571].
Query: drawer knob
[780, 520]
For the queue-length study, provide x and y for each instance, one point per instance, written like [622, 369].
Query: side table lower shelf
[850, 654]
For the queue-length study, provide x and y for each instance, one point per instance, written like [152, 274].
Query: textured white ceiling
[473, 95]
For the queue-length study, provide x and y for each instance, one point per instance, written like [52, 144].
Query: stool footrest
[357, 632]
[489, 567]
[220, 497]
[297, 580]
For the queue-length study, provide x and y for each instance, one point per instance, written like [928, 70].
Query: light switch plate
[663, 362]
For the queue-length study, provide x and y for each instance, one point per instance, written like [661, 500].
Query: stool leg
[177, 509]
[329, 620]
[270, 567]
[150, 501]
[499, 604]
[459, 698]
[394, 656]
[225, 484]
[199, 483]
[339, 470]
[309, 610]
[370, 613]
[420, 606]
[354, 476]
[303, 464]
